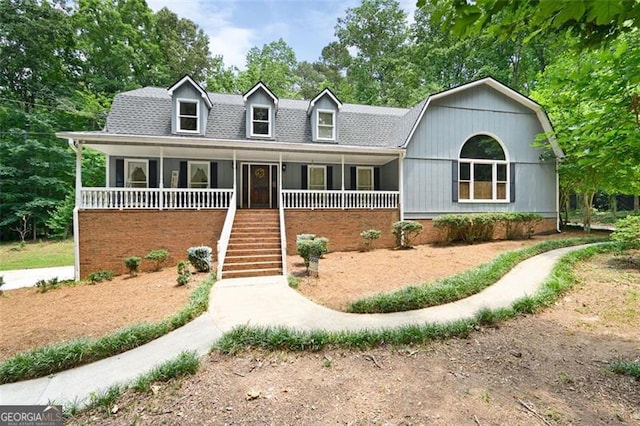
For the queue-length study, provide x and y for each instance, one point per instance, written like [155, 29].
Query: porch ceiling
[247, 153]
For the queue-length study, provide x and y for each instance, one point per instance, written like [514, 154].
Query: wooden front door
[259, 178]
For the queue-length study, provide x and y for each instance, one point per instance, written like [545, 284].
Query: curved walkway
[266, 301]
[19, 278]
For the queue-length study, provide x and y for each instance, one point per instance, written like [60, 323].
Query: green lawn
[36, 255]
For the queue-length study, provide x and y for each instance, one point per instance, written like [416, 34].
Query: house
[245, 174]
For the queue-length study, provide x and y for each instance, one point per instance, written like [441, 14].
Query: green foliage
[45, 285]
[158, 256]
[293, 282]
[184, 274]
[186, 363]
[62, 356]
[200, 258]
[308, 246]
[405, 232]
[456, 287]
[132, 263]
[628, 368]
[627, 231]
[274, 65]
[481, 226]
[96, 277]
[367, 238]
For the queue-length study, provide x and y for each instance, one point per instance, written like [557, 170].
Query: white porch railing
[154, 198]
[223, 242]
[306, 199]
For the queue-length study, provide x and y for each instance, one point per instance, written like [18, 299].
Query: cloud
[232, 43]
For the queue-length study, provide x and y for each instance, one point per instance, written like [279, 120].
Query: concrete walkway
[266, 301]
[29, 277]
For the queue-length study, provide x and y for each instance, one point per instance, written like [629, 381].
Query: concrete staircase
[254, 246]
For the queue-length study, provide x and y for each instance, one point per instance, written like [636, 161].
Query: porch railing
[307, 199]
[154, 198]
[225, 235]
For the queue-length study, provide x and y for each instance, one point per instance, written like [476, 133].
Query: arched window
[483, 170]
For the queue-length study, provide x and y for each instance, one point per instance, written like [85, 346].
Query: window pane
[260, 128]
[188, 123]
[465, 171]
[199, 175]
[482, 191]
[483, 181]
[316, 178]
[482, 147]
[137, 174]
[325, 118]
[365, 181]
[502, 191]
[502, 172]
[325, 132]
[464, 191]
[261, 114]
[483, 172]
[188, 108]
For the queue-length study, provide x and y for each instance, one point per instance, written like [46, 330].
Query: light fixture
[284, 167]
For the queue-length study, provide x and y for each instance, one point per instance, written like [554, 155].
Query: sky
[235, 26]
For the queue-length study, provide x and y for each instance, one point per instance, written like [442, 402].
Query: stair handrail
[283, 236]
[223, 242]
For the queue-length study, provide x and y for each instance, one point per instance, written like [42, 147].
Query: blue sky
[235, 26]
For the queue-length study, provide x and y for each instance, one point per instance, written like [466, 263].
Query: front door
[259, 185]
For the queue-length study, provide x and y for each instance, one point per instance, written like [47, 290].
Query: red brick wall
[107, 237]
[342, 227]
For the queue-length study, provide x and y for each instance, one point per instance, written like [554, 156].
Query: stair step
[251, 257]
[247, 239]
[242, 266]
[255, 251]
[247, 273]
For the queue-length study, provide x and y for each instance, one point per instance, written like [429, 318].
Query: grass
[458, 286]
[186, 363]
[628, 368]
[282, 338]
[62, 356]
[42, 254]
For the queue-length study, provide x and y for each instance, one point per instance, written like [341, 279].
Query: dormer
[190, 106]
[261, 106]
[323, 111]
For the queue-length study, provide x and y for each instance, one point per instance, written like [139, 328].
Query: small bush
[96, 277]
[367, 238]
[158, 256]
[293, 282]
[184, 274]
[1, 283]
[405, 232]
[627, 231]
[309, 247]
[44, 285]
[475, 227]
[200, 258]
[132, 263]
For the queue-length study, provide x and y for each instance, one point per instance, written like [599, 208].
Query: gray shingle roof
[147, 111]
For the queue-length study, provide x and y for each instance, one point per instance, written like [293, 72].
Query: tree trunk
[613, 202]
[636, 204]
[587, 202]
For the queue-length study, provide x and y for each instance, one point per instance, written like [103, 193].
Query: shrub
[45, 285]
[474, 227]
[368, 237]
[311, 246]
[184, 274]
[132, 263]
[293, 282]
[1, 283]
[405, 232]
[627, 231]
[519, 225]
[158, 256]
[96, 277]
[200, 258]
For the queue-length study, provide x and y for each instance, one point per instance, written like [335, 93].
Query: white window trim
[358, 168]
[189, 174]
[318, 125]
[178, 116]
[259, 135]
[126, 170]
[494, 181]
[324, 182]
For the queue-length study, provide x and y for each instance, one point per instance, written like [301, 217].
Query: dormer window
[188, 116]
[260, 120]
[326, 125]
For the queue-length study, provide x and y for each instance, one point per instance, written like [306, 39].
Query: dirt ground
[31, 319]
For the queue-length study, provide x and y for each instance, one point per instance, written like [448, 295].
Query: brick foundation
[107, 237]
[341, 227]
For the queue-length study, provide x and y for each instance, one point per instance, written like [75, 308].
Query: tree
[593, 22]
[376, 34]
[275, 65]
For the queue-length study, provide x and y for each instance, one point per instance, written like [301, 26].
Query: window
[364, 178]
[482, 170]
[137, 173]
[198, 174]
[188, 112]
[326, 125]
[317, 178]
[260, 120]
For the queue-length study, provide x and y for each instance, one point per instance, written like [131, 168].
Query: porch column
[161, 180]
[106, 172]
[280, 176]
[76, 222]
[342, 184]
[401, 184]
[235, 178]
[78, 149]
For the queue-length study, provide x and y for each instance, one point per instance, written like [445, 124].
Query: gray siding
[324, 103]
[259, 97]
[451, 121]
[187, 91]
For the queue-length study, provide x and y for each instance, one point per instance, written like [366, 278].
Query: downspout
[78, 199]
[557, 196]
[401, 184]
